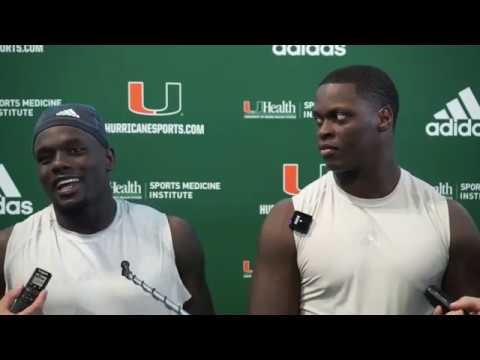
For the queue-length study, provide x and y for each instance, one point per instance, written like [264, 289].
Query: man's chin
[69, 206]
[335, 166]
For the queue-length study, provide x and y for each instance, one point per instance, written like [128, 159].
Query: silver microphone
[155, 294]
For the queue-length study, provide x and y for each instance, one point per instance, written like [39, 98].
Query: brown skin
[4, 236]
[88, 206]
[62, 152]
[357, 142]
[190, 263]
[275, 285]
[462, 277]
[362, 137]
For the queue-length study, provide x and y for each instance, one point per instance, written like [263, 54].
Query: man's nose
[59, 162]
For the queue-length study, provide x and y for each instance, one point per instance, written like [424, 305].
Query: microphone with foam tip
[155, 294]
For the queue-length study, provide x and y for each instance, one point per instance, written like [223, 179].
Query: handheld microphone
[38, 281]
[437, 297]
[155, 294]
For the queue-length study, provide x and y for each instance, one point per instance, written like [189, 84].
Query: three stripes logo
[171, 106]
[68, 112]
[10, 190]
[461, 117]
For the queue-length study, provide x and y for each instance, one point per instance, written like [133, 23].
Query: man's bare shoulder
[4, 236]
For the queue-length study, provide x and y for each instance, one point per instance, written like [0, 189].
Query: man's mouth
[67, 186]
[328, 150]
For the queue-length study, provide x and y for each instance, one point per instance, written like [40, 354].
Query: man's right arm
[4, 236]
[276, 278]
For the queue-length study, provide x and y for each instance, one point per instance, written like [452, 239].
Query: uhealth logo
[172, 104]
[9, 191]
[127, 190]
[457, 120]
[444, 189]
[269, 110]
[309, 50]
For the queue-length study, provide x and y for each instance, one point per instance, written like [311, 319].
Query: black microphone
[437, 297]
[125, 268]
[300, 222]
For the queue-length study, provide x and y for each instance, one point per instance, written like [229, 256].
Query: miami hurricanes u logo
[290, 178]
[171, 107]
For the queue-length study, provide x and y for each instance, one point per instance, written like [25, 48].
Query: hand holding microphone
[36, 308]
[28, 299]
[443, 306]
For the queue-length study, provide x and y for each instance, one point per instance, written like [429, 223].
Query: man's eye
[43, 159]
[341, 116]
[75, 151]
[318, 120]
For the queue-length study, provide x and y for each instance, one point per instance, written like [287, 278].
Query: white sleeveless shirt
[371, 256]
[86, 271]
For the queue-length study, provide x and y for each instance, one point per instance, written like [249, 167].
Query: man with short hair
[378, 236]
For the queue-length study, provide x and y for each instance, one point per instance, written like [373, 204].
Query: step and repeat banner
[218, 134]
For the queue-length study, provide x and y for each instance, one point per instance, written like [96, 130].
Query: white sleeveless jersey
[86, 271]
[371, 256]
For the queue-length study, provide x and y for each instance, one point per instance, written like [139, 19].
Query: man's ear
[385, 119]
[110, 156]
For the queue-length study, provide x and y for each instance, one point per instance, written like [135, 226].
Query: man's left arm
[190, 262]
[462, 277]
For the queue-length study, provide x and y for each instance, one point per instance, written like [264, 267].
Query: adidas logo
[68, 112]
[460, 118]
[9, 190]
[309, 50]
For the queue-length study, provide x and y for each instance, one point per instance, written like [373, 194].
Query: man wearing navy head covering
[82, 237]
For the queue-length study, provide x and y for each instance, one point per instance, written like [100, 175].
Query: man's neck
[370, 183]
[90, 219]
